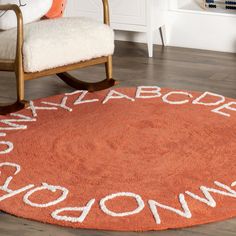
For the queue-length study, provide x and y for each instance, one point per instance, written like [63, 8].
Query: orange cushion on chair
[57, 9]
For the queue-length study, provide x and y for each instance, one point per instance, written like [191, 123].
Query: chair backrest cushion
[57, 9]
[32, 10]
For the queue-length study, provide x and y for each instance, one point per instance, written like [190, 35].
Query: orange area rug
[129, 159]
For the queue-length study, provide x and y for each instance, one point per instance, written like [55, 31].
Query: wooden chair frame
[21, 76]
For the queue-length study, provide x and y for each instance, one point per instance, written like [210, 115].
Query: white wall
[203, 31]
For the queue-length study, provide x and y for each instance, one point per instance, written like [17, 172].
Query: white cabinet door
[128, 12]
[122, 11]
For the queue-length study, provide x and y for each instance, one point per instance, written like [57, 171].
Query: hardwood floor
[171, 67]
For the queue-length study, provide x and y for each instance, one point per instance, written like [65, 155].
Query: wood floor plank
[178, 68]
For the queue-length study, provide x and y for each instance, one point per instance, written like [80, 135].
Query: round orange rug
[132, 159]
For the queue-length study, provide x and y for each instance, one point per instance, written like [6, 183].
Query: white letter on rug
[15, 192]
[138, 199]
[61, 105]
[225, 106]
[209, 200]
[5, 186]
[198, 100]
[117, 96]
[82, 96]
[185, 213]
[85, 210]
[165, 98]
[153, 91]
[9, 148]
[233, 184]
[14, 126]
[34, 108]
[51, 188]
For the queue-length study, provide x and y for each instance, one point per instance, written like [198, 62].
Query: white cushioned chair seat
[53, 43]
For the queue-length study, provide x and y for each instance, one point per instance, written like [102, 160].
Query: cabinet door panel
[131, 11]
[122, 11]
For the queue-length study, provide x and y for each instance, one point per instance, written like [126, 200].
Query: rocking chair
[49, 47]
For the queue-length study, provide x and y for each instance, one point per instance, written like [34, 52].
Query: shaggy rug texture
[129, 159]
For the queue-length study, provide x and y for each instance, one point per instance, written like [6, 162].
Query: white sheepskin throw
[32, 10]
[58, 42]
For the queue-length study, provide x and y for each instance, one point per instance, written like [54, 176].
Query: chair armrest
[19, 17]
[106, 14]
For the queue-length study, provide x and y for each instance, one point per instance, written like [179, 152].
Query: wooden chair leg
[109, 68]
[20, 83]
[20, 103]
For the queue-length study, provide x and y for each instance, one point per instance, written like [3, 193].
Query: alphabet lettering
[61, 105]
[225, 106]
[138, 199]
[165, 98]
[34, 108]
[51, 188]
[153, 91]
[116, 95]
[9, 148]
[221, 99]
[85, 210]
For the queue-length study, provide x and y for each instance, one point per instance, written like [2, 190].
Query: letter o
[9, 148]
[46, 187]
[138, 199]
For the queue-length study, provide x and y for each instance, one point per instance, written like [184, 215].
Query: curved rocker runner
[81, 85]
[17, 64]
